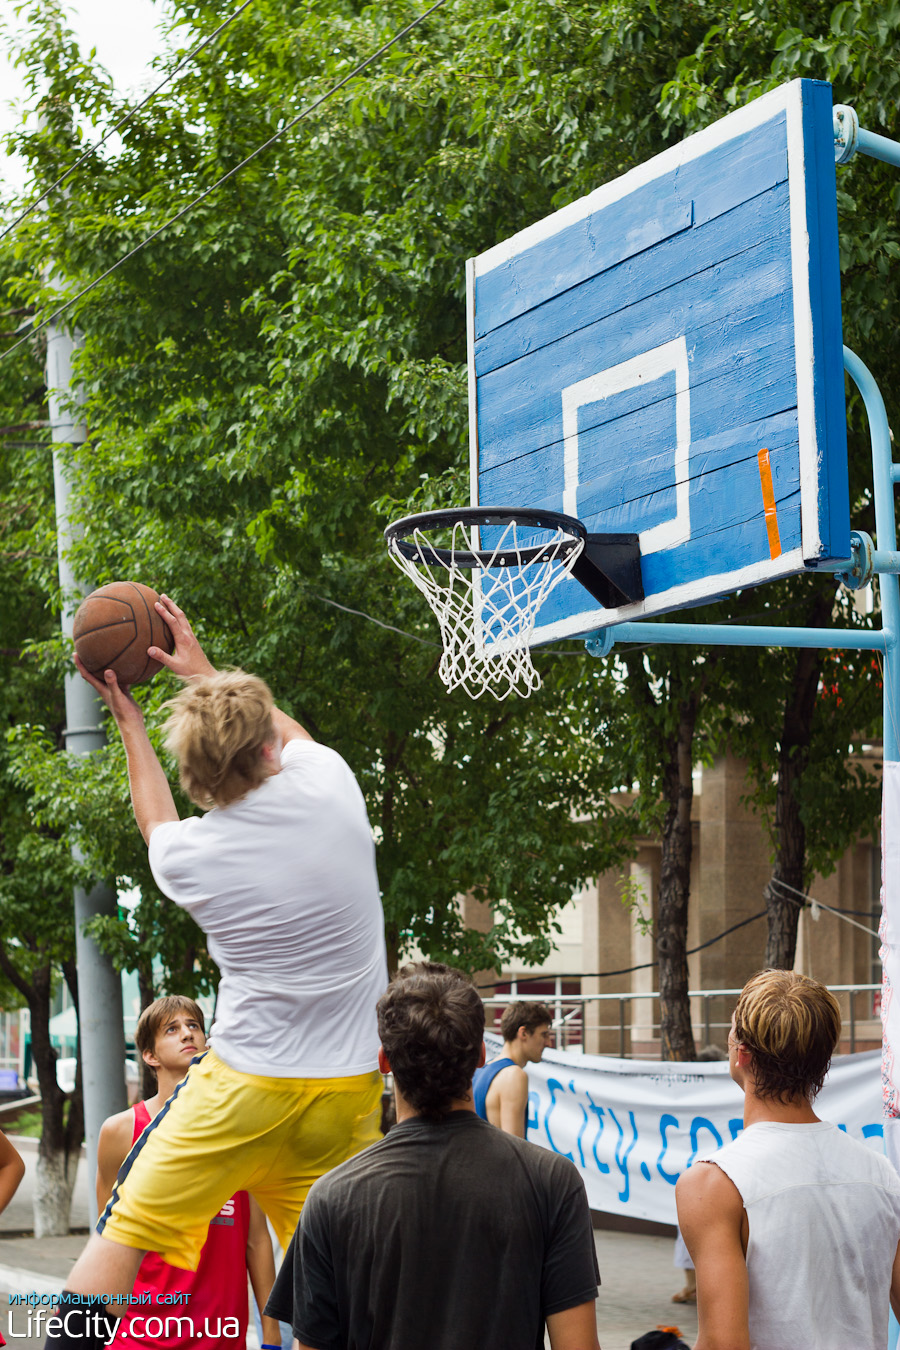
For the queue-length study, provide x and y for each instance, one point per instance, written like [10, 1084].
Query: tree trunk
[392, 948]
[783, 907]
[54, 1181]
[56, 1162]
[675, 1031]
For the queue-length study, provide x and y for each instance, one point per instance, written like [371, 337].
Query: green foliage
[635, 899]
[35, 869]
[288, 355]
[282, 371]
[28, 1124]
[744, 53]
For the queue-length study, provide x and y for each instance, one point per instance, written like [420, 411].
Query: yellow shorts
[222, 1131]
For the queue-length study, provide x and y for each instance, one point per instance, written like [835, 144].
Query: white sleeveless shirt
[824, 1216]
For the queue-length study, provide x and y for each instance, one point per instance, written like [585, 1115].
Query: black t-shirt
[443, 1236]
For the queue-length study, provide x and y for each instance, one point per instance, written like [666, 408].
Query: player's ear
[482, 1056]
[149, 1058]
[383, 1065]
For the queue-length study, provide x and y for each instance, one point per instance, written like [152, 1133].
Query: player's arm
[574, 1329]
[261, 1269]
[113, 1147]
[151, 796]
[711, 1214]
[12, 1170]
[512, 1088]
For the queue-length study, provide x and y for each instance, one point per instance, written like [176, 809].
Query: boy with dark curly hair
[448, 1232]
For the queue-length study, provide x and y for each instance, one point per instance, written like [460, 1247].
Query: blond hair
[216, 730]
[791, 1025]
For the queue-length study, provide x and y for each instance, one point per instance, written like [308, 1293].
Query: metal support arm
[853, 572]
[850, 137]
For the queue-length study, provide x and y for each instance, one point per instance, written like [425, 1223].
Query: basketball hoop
[486, 600]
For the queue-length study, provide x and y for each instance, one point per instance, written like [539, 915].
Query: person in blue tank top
[500, 1089]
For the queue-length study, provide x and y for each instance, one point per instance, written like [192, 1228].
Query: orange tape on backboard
[768, 492]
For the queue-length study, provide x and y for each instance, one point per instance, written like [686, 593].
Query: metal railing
[575, 1027]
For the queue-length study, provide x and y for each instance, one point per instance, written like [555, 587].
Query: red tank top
[216, 1291]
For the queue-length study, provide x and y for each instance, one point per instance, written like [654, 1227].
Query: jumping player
[169, 1034]
[794, 1227]
[501, 1087]
[280, 875]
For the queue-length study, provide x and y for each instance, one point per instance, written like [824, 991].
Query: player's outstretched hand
[188, 661]
[117, 697]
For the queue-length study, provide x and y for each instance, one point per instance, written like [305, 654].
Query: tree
[813, 796]
[672, 698]
[36, 872]
[291, 352]
[257, 379]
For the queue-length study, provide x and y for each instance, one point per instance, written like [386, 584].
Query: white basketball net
[487, 612]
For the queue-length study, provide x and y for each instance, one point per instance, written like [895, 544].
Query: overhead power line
[814, 904]
[626, 970]
[649, 965]
[92, 149]
[179, 215]
[361, 614]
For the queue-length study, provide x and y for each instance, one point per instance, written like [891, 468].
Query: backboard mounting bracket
[609, 568]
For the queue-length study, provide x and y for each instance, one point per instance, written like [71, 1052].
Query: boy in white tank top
[794, 1228]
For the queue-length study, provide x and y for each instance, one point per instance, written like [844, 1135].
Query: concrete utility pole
[99, 985]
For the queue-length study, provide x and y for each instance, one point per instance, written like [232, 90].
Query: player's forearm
[261, 1269]
[271, 1330]
[723, 1338]
[151, 796]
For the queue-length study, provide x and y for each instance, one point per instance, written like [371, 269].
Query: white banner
[632, 1126]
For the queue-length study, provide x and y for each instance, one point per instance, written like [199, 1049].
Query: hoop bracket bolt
[600, 644]
[862, 555]
[846, 133]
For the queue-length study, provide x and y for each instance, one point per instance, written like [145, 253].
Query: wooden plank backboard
[664, 356]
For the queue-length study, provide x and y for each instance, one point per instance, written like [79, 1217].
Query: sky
[126, 36]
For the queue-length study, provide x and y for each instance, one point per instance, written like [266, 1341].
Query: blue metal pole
[850, 138]
[878, 147]
[743, 635]
[886, 531]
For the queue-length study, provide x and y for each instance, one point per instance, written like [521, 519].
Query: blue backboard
[664, 357]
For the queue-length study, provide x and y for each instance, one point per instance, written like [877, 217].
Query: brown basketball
[113, 628]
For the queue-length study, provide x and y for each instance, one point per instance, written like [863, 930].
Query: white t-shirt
[824, 1218]
[283, 884]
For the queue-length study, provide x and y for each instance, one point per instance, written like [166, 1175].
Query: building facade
[616, 1014]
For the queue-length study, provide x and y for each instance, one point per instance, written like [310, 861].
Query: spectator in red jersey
[169, 1035]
